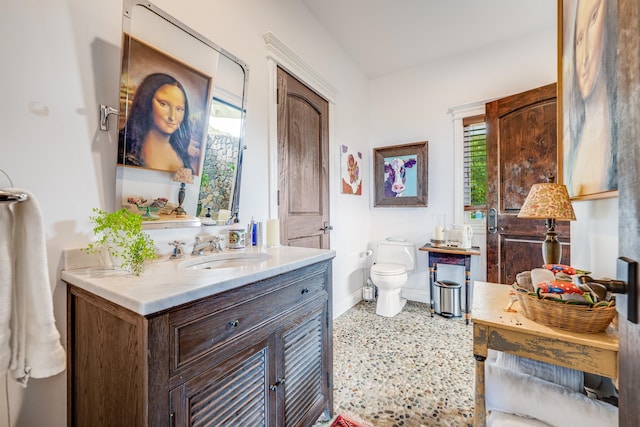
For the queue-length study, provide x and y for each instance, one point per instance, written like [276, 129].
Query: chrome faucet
[213, 244]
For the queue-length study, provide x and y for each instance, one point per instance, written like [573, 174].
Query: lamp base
[179, 211]
[551, 248]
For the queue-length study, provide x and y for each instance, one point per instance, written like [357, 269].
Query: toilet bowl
[393, 261]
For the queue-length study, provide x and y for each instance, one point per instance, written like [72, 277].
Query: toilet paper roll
[273, 232]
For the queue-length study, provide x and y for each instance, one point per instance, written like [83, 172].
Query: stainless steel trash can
[447, 298]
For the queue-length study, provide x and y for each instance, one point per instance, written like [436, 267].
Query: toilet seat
[388, 269]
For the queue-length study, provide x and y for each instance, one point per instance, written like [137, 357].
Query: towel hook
[8, 196]
[105, 112]
[8, 177]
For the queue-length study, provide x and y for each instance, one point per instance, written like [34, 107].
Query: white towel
[566, 377]
[35, 345]
[6, 286]
[525, 395]
[539, 275]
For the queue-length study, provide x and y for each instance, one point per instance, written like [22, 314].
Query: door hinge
[328, 380]
[278, 198]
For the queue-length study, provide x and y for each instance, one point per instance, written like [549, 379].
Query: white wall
[62, 60]
[594, 237]
[413, 106]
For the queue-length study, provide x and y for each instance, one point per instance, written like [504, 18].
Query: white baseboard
[411, 294]
[340, 307]
[418, 295]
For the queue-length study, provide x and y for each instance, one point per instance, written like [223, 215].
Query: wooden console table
[452, 256]
[511, 332]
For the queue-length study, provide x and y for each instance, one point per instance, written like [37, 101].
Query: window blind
[475, 162]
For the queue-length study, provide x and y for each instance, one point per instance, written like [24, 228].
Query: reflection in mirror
[182, 105]
[222, 161]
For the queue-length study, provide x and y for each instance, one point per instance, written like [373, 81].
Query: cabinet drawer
[195, 338]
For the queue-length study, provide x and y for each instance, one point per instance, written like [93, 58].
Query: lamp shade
[548, 200]
[184, 175]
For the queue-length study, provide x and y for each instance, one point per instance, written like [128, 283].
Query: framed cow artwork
[400, 175]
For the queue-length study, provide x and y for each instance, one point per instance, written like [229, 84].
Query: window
[475, 165]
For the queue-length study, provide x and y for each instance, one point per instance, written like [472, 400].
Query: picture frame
[587, 142]
[401, 175]
[350, 176]
[140, 60]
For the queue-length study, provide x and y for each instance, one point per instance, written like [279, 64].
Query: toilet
[393, 260]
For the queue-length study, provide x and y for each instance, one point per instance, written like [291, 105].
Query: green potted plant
[120, 234]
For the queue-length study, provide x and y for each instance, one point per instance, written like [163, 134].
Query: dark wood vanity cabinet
[257, 355]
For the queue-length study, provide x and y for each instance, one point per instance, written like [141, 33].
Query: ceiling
[407, 33]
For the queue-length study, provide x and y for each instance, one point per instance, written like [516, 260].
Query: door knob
[492, 221]
[326, 228]
[626, 300]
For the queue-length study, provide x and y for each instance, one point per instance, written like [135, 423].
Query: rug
[349, 420]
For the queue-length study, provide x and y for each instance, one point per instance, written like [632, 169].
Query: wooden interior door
[629, 199]
[303, 164]
[521, 151]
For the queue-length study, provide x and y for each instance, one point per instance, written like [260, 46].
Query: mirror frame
[190, 221]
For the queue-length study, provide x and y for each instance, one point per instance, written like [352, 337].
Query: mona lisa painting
[588, 33]
[167, 110]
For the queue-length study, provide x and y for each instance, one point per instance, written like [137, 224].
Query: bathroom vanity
[180, 345]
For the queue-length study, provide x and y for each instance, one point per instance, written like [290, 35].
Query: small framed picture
[351, 179]
[400, 175]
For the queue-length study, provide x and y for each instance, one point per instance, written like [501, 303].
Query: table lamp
[183, 176]
[549, 201]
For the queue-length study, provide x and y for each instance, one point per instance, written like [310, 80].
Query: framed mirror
[181, 122]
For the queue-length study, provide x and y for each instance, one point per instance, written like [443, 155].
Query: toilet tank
[396, 252]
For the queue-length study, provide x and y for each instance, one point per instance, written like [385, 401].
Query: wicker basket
[568, 317]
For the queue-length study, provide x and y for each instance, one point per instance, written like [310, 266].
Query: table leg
[432, 279]
[467, 295]
[479, 410]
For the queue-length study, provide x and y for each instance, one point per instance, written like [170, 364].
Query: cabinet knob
[234, 323]
[273, 387]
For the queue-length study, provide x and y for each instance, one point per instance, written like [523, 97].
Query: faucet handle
[177, 249]
[216, 241]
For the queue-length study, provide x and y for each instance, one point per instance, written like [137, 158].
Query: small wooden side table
[511, 332]
[451, 256]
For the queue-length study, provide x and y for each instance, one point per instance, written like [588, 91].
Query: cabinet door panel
[95, 327]
[231, 394]
[306, 387]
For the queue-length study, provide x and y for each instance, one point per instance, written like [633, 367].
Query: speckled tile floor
[411, 370]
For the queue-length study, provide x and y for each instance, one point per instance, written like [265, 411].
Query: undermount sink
[224, 260]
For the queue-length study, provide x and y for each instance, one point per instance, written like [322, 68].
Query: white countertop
[165, 283]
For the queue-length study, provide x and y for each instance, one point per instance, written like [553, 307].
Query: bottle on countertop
[252, 232]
